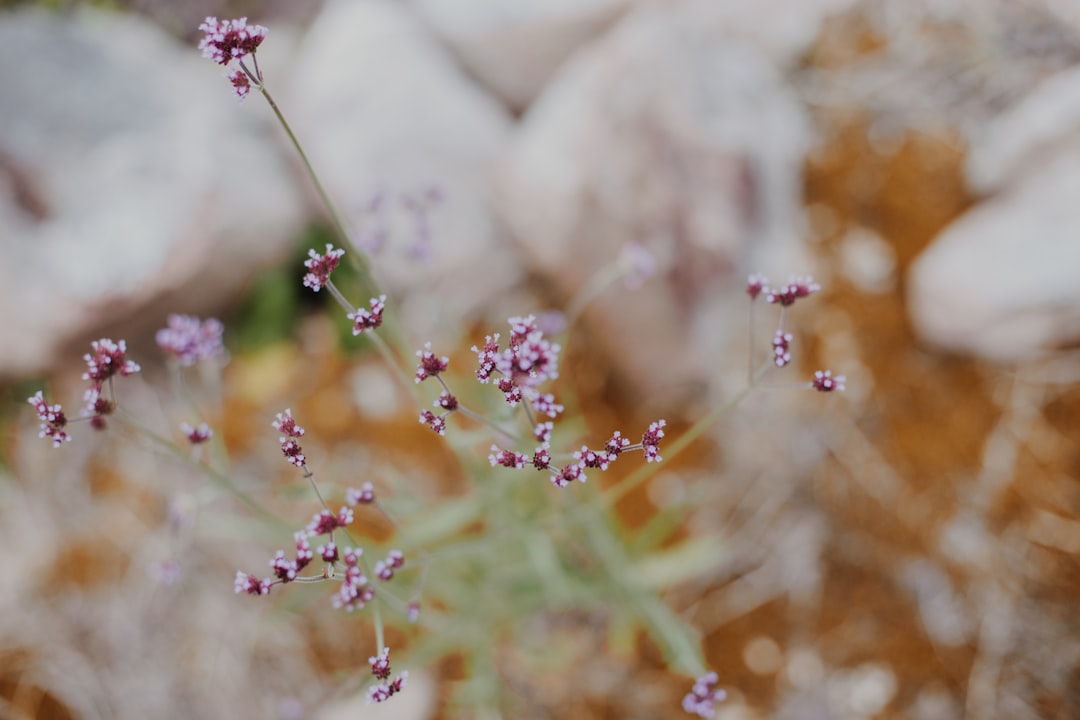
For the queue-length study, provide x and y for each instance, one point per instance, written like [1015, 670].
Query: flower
[320, 266]
[229, 40]
[189, 339]
[567, 475]
[430, 364]
[699, 701]
[781, 352]
[506, 458]
[289, 432]
[380, 668]
[52, 419]
[825, 382]
[650, 441]
[364, 320]
[364, 496]
[241, 84]
[251, 585]
[797, 287]
[196, 435]
[108, 359]
[755, 284]
[435, 422]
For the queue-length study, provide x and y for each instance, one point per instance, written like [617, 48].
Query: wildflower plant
[508, 537]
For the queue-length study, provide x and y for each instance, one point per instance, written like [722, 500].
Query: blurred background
[907, 549]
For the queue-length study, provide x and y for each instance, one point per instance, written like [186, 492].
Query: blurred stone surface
[131, 184]
[514, 48]
[1028, 134]
[383, 109]
[1000, 282]
[671, 133]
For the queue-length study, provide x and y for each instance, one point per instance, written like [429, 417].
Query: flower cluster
[52, 420]
[701, 698]
[528, 361]
[585, 458]
[320, 266]
[196, 434]
[785, 296]
[355, 591]
[290, 432]
[364, 319]
[189, 339]
[518, 370]
[106, 360]
[229, 41]
[385, 688]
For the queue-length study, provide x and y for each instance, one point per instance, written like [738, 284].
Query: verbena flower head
[241, 84]
[320, 266]
[196, 434]
[702, 697]
[430, 364]
[781, 348]
[529, 361]
[797, 287]
[364, 496]
[354, 592]
[107, 359]
[386, 688]
[189, 339]
[290, 431]
[52, 419]
[755, 284]
[251, 585]
[824, 381]
[650, 441]
[433, 421]
[228, 40]
[364, 320]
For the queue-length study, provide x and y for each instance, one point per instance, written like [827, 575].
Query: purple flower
[229, 40]
[320, 266]
[364, 320]
[699, 701]
[797, 287]
[189, 339]
[196, 435]
[430, 364]
[650, 441]
[755, 284]
[241, 84]
[435, 422]
[108, 359]
[825, 382]
[380, 668]
[289, 432]
[52, 419]
[364, 496]
[251, 585]
[506, 458]
[781, 344]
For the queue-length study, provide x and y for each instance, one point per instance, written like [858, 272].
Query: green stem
[359, 257]
[210, 472]
[616, 492]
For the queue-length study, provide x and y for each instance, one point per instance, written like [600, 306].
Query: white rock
[128, 175]
[670, 134]
[1027, 134]
[1000, 282]
[513, 48]
[380, 106]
